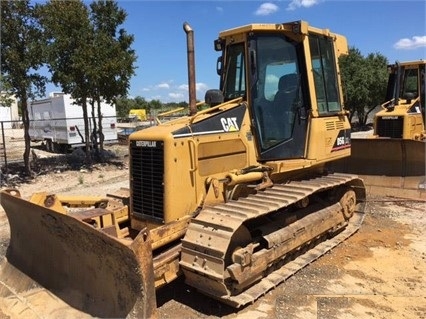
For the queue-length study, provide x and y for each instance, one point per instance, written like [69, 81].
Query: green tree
[89, 57]
[141, 103]
[70, 52]
[113, 63]
[22, 54]
[364, 81]
[123, 106]
[6, 98]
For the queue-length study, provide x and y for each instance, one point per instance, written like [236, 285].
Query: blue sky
[395, 29]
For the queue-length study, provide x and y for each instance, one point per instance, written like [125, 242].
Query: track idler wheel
[348, 202]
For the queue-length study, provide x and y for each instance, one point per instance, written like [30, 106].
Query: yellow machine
[403, 113]
[395, 154]
[137, 115]
[231, 197]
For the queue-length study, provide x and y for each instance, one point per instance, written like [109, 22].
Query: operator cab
[269, 70]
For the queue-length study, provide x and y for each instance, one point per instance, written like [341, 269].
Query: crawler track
[220, 259]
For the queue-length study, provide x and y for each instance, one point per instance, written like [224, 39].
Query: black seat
[286, 94]
[276, 120]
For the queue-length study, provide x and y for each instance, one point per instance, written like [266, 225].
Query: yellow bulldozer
[394, 154]
[403, 113]
[236, 197]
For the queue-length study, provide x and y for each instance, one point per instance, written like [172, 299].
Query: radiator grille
[146, 175]
[390, 126]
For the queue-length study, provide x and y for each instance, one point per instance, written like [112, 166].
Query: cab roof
[297, 27]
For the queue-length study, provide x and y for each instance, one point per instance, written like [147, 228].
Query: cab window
[325, 77]
[410, 84]
[235, 83]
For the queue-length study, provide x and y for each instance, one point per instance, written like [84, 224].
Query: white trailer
[58, 122]
[9, 115]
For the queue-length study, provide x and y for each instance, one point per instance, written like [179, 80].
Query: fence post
[4, 145]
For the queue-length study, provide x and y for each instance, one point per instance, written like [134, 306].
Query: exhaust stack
[191, 68]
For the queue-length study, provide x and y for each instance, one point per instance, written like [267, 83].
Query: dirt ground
[379, 272]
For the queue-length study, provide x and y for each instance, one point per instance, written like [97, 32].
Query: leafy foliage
[125, 104]
[113, 63]
[87, 56]
[22, 50]
[364, 81]
[69, 50]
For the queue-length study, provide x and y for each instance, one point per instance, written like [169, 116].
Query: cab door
[279, 110]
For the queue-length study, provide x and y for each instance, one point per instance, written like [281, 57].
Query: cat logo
[229, 124]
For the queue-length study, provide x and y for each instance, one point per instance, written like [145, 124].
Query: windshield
[410, 83]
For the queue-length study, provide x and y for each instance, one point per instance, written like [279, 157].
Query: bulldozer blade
[389, 157]
[390, 166]
[88, 269]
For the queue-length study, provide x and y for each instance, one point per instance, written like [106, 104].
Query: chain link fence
[12, 144]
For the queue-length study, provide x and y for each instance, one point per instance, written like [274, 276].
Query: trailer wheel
[55, 147]
[49, 146]
[61, 148]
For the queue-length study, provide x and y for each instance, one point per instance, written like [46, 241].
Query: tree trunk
[86, 132]
[27, 139]
[101, 134]
[94, 136]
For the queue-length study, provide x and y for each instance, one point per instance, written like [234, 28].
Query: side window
[235, 83]
[325, 75]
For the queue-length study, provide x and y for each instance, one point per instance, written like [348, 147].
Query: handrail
[214, 108]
